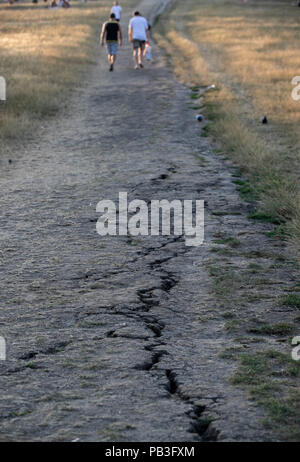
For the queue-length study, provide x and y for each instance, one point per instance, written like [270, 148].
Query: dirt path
[119, 339]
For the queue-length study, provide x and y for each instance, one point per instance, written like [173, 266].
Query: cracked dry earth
[119, 338]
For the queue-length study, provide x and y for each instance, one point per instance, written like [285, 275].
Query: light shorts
[138, 44]
[112, 48]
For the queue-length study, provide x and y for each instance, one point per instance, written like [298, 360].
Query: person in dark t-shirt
[112, 34]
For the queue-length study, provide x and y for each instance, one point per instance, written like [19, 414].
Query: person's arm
[147, 31]
[130, 33]
[120, 36]
[103, 33]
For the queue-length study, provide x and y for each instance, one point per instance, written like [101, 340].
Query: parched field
[138, 338]
[44, 53]
[250, 51]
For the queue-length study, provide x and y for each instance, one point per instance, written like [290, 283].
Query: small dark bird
[265, 120]
[9, 161]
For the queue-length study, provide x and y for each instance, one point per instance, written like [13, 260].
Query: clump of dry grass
[250, 51]
[44, 53]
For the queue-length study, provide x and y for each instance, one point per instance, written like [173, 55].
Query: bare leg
[140, 58]
[135, 57]
[141, 55]
[112, 60]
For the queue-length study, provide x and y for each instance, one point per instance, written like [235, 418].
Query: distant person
[117, 9]
[64, 4]
[138, 35]
[112, 33]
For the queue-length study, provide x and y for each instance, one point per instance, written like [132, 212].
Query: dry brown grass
[44, 53]
[250, 51]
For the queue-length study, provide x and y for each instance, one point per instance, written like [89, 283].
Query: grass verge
[271, 379]
[249, 51]
[44, 54]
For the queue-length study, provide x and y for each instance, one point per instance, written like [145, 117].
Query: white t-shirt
[139, 26]
[117, 11]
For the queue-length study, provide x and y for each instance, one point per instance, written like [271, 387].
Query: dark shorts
[138, 44]
[112, 48]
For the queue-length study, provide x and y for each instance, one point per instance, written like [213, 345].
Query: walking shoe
[111, 68]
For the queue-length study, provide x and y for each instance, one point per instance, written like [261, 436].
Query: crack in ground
[155, 358]
[199, 424]
[53, 349]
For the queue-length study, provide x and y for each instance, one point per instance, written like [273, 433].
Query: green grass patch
[225, 283]
[248, 192]
[259, 368]
[232, 325]
[221, 250]
[280, 328]
[239, 182]
[219, 213]
[20, 413]
[292, 300]
[271, 379]
[31, 366]
[284, 414]
[196, 108]
[279, 231]
[231, 241]
[255, 267]
[264, 217]
[231, 353]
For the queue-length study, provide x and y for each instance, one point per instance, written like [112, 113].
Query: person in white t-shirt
[117, 9]
[138, 32]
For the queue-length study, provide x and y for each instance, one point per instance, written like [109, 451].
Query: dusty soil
[119, 338]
